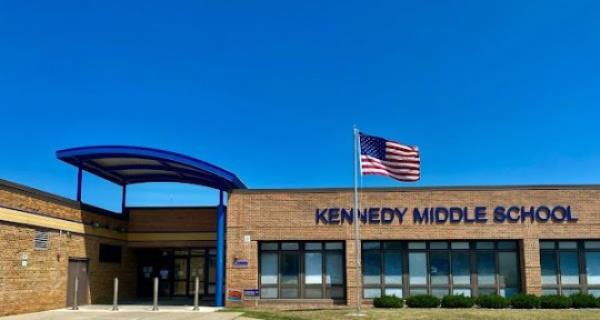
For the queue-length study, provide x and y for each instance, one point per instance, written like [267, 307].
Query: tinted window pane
[569, 292]
[440, 267]
[440, 293]
[508, 269]
[549, 270]
[547, 244]
[372, 293]
[416, 245]
[417, 266]
[486, 268]
[592, 244]
[393, 268]
[594, 292]
[592, 262]
[289, 246]
[567, 244]
[465, 292]
[333, 268]
[549, 292]
[508, 292]
[268, 268]
[289, 293]
[268, 293]
[336, 292]
[368, 245]
[334, 246]
[313, 293]
[392, 245]
[459, 245]
[487, 291]
[313, 246]
[268, 246]
[438, 245]
[372, 268]
[507, 245]
[461, 270]
[393, 292]
[313, 268]
[417, 291]
[290, 268]
[488, 245]
[569, 268]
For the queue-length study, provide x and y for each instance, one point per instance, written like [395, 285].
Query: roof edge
[430, 188]
[54, 198]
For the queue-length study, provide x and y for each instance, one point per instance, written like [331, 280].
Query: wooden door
[78, 268]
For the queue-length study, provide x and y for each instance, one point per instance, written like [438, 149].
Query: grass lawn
[424, 314]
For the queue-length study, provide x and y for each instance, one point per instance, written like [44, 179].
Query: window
[440, 268]
[110, 253]
[570, 267]
[41, 240]
[302, 270]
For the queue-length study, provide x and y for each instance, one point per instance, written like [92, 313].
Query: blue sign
[240, 263]
[440, 215]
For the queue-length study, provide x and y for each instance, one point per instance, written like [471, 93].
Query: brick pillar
[350, 273]
[530, 264]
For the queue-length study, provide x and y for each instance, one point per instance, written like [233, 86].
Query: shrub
[422, 301]
[493, 301]
[555, 302]
[387, 302]
[525, 301]
[581, 300]
[457, 301]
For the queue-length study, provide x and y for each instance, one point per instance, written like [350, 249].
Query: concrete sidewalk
[130, 312]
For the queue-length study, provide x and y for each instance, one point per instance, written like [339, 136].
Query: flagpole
[357, 223]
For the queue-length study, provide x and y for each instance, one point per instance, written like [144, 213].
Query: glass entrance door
[177, 271]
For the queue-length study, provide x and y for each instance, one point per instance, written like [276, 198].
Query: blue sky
[492, 92]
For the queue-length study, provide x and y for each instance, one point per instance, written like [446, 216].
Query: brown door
[78, 269]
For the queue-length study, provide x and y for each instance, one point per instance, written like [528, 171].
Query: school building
[289, 247]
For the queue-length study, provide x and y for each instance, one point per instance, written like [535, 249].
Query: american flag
[379, 156]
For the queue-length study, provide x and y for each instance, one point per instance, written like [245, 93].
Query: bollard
[75, 294]
[155, 297]
[116, 295]
[196, 291]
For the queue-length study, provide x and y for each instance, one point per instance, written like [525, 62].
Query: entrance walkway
[130, 312]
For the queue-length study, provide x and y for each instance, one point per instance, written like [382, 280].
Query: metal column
[79, 180]
[220, 252]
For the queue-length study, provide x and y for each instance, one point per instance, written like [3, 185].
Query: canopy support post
[79, 180]
[123, 199]
[220, 252]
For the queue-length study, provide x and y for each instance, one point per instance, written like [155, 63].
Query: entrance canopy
[125, 165]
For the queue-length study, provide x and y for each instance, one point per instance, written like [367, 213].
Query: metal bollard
[155, 297]
[116, 295]
[75, 294]
[196, 292]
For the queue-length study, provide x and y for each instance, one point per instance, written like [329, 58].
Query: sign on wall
[234, 295]
[240, 263]
[441, 215]
[251, 294]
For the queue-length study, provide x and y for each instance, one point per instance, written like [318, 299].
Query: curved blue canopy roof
[128, 165]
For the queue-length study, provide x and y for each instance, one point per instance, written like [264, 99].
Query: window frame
[471, 252]
[302, 286]
[581, 251]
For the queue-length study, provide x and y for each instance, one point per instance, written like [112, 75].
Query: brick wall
[290, 215]
[41, 285]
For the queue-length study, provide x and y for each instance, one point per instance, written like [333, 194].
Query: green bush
[387, 302]
[581, 300]
[493, 301]
[422, 301]
[457, 301]
[555, 302]
[525, 301]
